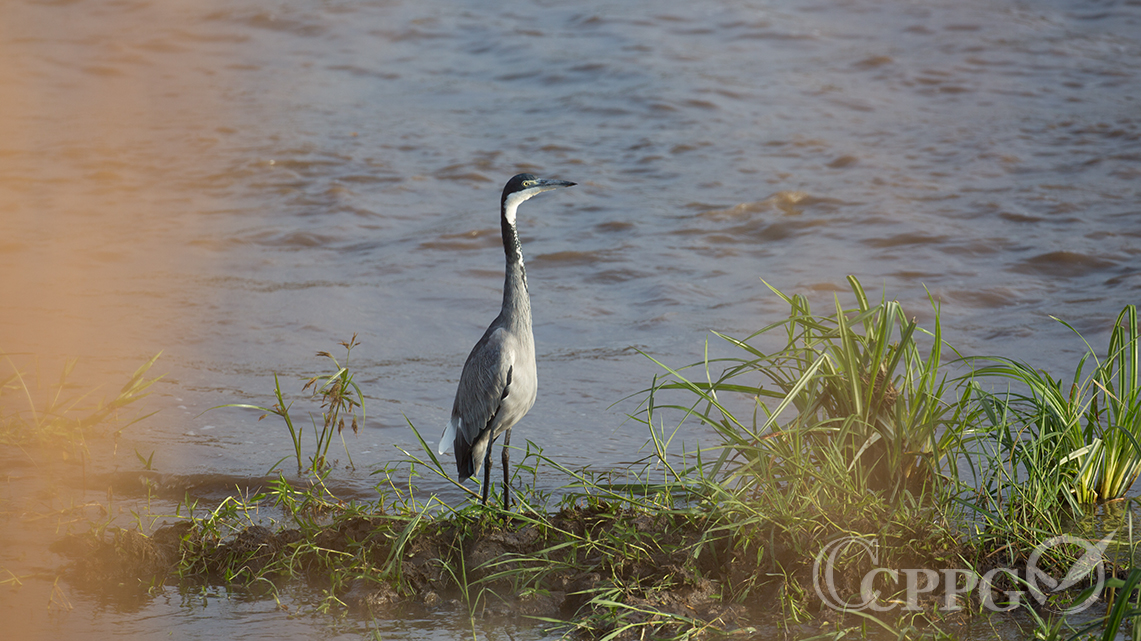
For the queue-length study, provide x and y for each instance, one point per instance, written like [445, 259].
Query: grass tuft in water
[339, 398]
[35, 413]
[1044, 451]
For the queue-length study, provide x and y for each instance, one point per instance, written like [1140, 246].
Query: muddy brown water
[242, 184]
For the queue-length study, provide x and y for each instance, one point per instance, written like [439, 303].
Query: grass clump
[1079, 440]
[37, 413]
[858, 402]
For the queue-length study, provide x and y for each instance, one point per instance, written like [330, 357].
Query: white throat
[513, 202]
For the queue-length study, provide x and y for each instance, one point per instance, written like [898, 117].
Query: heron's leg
[506, 474]
[486, 473]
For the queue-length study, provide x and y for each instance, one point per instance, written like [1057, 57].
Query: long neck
[515, 299]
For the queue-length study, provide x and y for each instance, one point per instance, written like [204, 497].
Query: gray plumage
[499, 380]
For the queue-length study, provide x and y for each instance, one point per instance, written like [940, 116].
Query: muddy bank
[548, 567]
[671, 572]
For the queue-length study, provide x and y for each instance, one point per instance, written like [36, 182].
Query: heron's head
[522, 187]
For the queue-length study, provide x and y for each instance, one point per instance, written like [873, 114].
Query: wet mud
[671, 571]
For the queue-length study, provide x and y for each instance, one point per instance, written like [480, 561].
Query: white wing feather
[449, 436]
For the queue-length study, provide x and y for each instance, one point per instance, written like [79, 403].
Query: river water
[242, 184]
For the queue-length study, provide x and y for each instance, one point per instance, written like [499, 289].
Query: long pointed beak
[547, 184]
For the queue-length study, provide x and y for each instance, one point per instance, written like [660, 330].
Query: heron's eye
[529, 183]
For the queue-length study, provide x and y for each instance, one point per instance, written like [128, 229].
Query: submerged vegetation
[854, 437]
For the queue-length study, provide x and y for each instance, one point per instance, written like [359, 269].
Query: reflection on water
[242, 184]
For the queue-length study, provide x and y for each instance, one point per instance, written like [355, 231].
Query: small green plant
[339, 398]
[55, 413]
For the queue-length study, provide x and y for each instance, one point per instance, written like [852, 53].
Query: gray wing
[484, 383]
